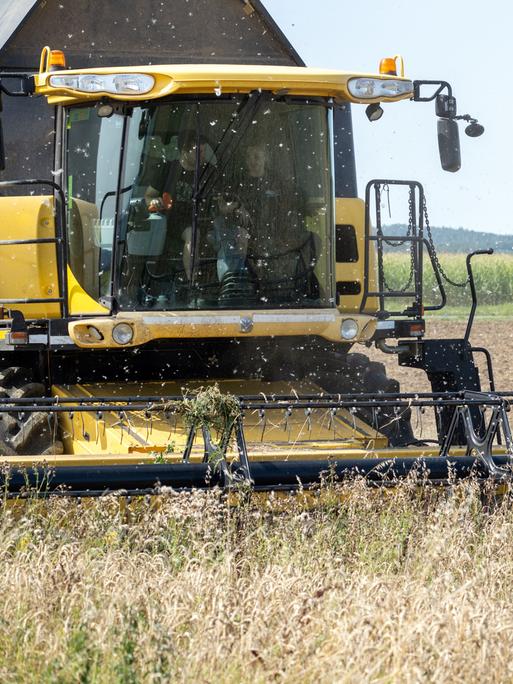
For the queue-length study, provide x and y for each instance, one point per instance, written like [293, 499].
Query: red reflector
[417, 329]
[18, 338]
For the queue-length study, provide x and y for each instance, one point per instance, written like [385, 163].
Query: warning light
[388, 66]
[51, 60]
[56, 60]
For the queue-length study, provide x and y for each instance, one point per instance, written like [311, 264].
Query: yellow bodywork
[30, 270]
[183, 79]
[351, 211]
[155, 325]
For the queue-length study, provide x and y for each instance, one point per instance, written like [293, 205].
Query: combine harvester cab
[181, 302]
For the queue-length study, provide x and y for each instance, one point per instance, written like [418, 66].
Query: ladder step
[48, 300]
[391, 293]
[30, 241]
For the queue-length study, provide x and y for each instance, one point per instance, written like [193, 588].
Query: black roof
[13, 15]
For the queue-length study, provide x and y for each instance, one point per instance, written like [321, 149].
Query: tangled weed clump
[397, 586]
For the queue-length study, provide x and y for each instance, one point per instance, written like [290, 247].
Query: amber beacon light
[52, 60]
[57, 60]
[388, 66]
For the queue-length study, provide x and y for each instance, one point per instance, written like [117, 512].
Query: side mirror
[449, 145]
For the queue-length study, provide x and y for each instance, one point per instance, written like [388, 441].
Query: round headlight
[122, 333]
[349, 329]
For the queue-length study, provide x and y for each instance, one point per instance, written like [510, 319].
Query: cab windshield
[220, 203]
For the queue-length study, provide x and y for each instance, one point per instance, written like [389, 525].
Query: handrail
[473, 289]
[59, 240]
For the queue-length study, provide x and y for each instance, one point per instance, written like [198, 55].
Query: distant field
[493, 277]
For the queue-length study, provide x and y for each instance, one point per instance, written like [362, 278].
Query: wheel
[354, 373]
[26, 432]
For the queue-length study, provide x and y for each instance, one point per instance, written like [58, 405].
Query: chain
[399, 243]
[410, 233]
[436, 261]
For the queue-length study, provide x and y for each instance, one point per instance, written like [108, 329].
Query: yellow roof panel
[209, 79]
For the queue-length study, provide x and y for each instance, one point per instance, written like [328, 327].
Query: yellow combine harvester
[180, 306]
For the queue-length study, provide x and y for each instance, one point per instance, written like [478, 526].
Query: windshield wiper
[230, 141]
[222, 154]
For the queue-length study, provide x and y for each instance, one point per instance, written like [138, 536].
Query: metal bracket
[186, 457]
[217, 455]
[26, 83]
[244, 470]
[481, 445]
[442, 85]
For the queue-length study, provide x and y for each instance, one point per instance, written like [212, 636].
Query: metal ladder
[415, 236]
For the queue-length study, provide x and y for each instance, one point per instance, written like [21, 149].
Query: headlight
[122, 333]
[118, 84]
[349, 329]
[373, 88]
[94, 333]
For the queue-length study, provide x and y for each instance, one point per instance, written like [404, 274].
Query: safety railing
[376, 240]
[59, 240]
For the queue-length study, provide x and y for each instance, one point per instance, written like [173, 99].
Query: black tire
[396, 425]
[355, 373]
[21, 432]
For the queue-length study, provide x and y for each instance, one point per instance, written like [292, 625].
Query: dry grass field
[400, 588]
[404, 587]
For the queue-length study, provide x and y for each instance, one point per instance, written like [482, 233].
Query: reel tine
[96, 424]
[308, 414]
[263, 420]
[288, 413]
[83, 425]
[352, 413]
[147, 418]
[101, 419]
[335, 413]
[121, 425]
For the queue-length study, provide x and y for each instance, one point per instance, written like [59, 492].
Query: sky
[465, 43]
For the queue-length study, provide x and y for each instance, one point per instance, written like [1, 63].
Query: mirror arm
[442, 85]
[27, 85]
